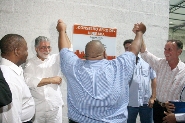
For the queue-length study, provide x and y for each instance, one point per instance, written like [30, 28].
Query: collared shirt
[140, 85]
[48, 96]
[97, 89]
[22, 107]
[169, 82]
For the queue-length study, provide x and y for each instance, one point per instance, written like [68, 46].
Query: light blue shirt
[140, 86]
[97, 90]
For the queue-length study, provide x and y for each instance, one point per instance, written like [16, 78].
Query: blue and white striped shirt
[97, 90]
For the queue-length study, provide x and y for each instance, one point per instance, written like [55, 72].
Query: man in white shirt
[14, 53]
[43, 76]
[170, 75]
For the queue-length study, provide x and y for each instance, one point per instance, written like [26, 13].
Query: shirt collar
[179, 66]
[17, 69]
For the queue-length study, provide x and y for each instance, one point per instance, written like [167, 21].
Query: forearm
[68, 41]
[153, 85]
[50, 80]
[136, 44]
[45, 81]
[143, 46]
[62, 41]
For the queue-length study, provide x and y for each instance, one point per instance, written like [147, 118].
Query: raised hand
[139, 27]
[142, 27]
[61, 26]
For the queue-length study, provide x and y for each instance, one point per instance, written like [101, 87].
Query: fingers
[60, 21]
[164, 118]
[136, 28]
[60, 81]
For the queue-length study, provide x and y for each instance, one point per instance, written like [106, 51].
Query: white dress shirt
[169, 82]
[47, 97]
[22, 107]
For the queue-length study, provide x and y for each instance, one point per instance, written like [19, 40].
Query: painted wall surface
[33, 18]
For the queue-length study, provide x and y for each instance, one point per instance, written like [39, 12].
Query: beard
[43, 55]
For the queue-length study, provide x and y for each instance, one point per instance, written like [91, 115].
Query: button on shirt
[140, 86]
[97, 89]
[169, 82]
[22, 107]
[48, 96]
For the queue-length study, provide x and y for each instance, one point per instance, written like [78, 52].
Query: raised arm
[139, 30]
[63, 40]
[143, 46]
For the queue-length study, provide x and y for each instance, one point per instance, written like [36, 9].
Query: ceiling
[177, 15]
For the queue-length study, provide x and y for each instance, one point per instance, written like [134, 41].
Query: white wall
[32, 18]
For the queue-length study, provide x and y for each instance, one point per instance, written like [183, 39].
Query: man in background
[43, 76]
[14, 53]
[141, 96]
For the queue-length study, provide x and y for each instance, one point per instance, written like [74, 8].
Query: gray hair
[39, 39]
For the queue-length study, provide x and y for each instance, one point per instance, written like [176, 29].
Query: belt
[160, 103]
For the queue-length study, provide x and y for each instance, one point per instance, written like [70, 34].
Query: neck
[12, 59]
[96, 58]
[173, 64]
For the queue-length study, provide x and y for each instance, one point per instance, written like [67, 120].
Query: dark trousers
[158, 112]
[71, 121]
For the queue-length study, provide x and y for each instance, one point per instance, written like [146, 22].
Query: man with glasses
[43, 76]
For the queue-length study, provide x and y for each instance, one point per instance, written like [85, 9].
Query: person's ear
[179, 51]
[36, 49]
[16, 51]
[105, 55]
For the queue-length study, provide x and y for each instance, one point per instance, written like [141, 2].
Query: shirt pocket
[145, 72]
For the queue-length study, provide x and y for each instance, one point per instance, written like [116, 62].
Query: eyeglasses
[45, 47]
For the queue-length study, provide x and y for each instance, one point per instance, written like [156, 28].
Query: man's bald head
[94, 50]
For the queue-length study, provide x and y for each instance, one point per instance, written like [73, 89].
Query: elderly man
[14, 53]
[43, 76]
[97, 88]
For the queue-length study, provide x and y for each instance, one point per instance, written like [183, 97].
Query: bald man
[14, 53]
[97, 89]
